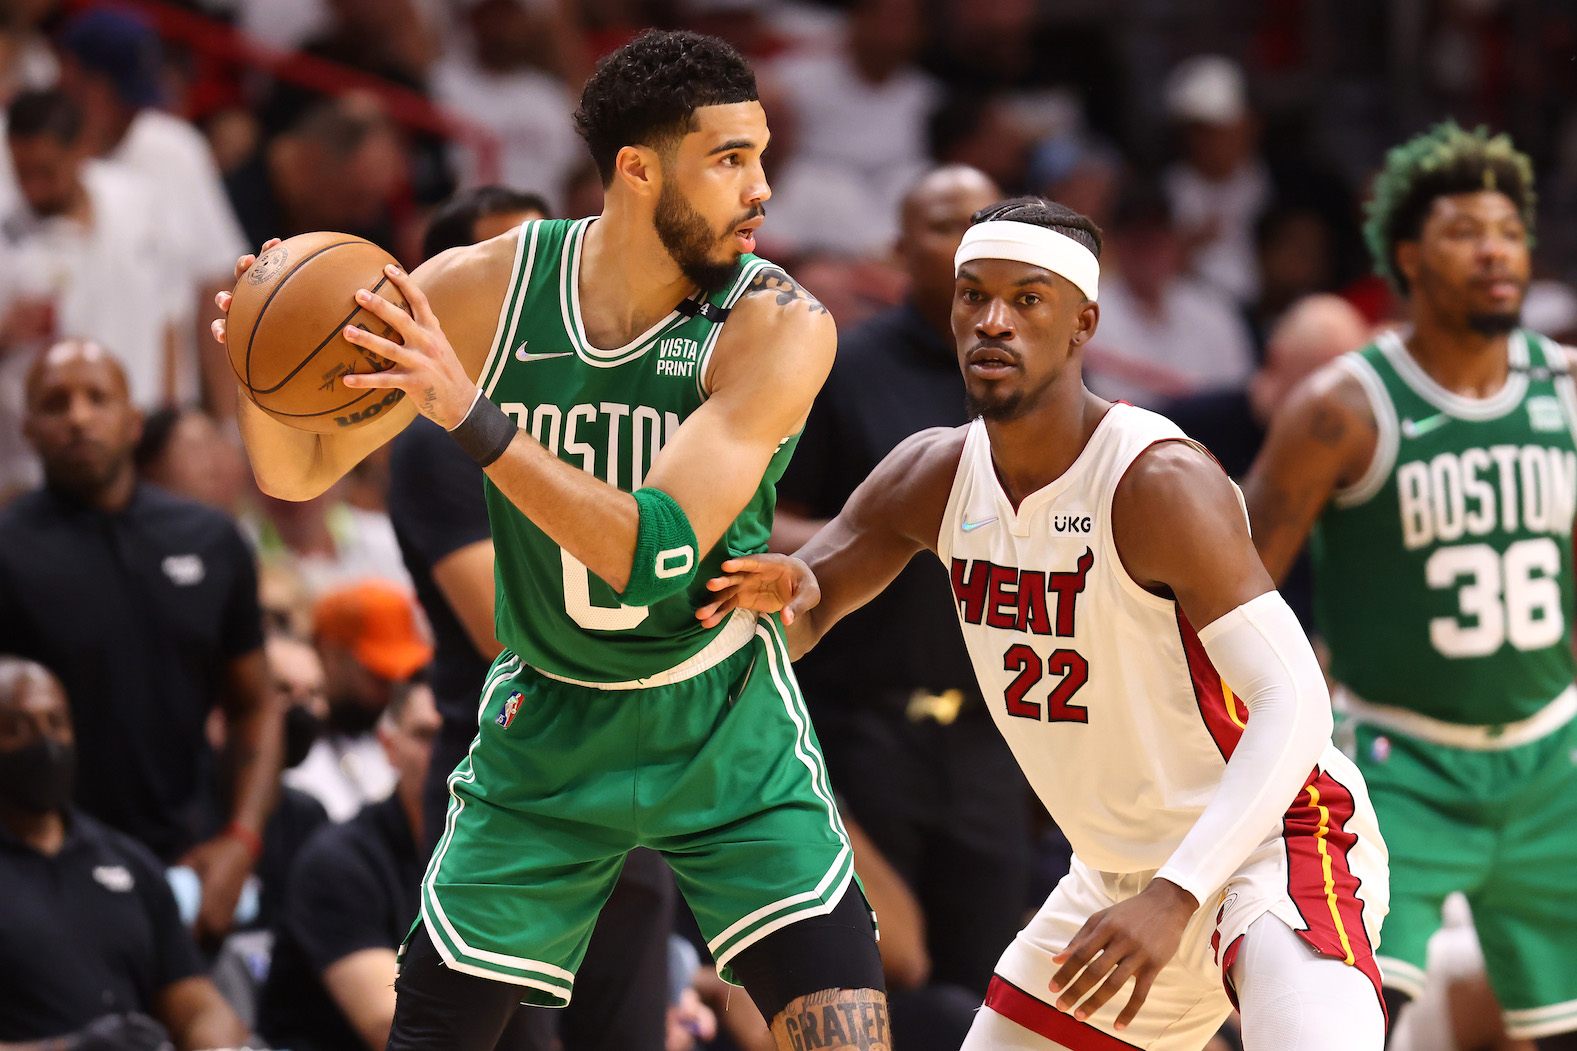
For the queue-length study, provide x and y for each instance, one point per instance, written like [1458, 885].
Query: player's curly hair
[1444, 160]
[646, 93]
[1037, 211]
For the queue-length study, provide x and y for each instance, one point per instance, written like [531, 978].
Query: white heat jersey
[1100, 687]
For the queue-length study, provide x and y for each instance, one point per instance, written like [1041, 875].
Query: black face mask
[302, 729]
[351, 718]
[38, 778]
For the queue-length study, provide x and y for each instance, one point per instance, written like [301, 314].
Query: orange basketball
[286, 325]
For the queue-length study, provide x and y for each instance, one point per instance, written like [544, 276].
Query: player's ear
[1407, 260]
[640, 169]
[1084, 323]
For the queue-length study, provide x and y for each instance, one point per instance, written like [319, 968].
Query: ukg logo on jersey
[1072, 524]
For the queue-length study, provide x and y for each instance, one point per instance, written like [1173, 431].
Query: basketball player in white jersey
[1157, 691]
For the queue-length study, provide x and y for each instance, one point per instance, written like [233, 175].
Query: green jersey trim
[497, 355]
[1495, 737]
[1493, 407]
[1565, 386]
[1387, 441]
[569, 306]
[741, 283]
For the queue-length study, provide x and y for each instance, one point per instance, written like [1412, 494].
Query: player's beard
[690, 240]
[1006, 407]
[1494, 324]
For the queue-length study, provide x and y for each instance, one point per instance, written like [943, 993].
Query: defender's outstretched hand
[764, 583]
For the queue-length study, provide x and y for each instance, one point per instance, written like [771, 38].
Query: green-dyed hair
[1442, 161]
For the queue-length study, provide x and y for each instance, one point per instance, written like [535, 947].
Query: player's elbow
[282, 485]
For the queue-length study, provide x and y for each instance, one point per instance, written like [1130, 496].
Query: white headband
[1036, 245]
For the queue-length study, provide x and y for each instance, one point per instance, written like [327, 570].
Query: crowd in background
[1224, 146]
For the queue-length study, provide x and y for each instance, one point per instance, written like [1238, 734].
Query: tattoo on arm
[835, 1020]
[787, 290]
[429, 397]
[1327, 427]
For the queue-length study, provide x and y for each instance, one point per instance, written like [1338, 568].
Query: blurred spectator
[858, 116]
[1294, 249]
[371, 643]
[326, 542]
[393, 40]
[64, 255]
[1550, 307]
[1079, 171]
[301, 689]
[440, 517]
[503, 75]
[1220, 188]
[184, 451]
[145, 606]
[92, 951]
[112, 71]
[1231, 424]
[906, 737]
[1161, 332]
[336, 168]
[26, 61]
[351, 895]
[978, 130]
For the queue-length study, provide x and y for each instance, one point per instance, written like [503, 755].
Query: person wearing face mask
[349, 900]
[370, 640]
[145, 605]
[93, 956]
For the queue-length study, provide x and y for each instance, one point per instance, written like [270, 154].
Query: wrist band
[485, 432]
[249, 839]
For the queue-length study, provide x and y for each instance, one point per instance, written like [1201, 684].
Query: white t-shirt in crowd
[857, 148]
[1232, 207]
[344, 774]
[1196, 336]
[114, 280]
[529, 111]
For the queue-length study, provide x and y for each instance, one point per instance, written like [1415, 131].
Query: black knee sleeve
[835, 951]
[440, 1009]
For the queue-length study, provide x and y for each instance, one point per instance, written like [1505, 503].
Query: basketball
[286, 331]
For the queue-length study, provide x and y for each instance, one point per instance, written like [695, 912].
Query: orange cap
[377, 622]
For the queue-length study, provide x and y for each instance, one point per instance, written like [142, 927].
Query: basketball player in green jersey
[632, 385]
[1436, 471]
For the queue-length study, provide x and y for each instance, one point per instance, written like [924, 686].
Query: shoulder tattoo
[772, 280]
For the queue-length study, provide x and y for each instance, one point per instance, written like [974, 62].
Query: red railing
[225, 44]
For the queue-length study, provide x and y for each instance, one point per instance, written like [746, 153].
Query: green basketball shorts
[721, 773]
[1501, 827]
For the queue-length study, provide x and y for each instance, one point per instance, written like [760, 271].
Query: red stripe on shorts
[1209, 691]
[1320, 881]
[1037, 1016]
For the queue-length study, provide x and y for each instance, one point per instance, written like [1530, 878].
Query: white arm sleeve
[1262, 654]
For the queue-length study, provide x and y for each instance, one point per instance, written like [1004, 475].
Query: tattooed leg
[834, 1020]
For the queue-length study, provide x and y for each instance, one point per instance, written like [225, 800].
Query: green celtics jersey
[1443, 577]
[608, 412]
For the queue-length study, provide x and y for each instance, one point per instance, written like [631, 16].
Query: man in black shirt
[349, 901]
[440, 520]
[93, 956]
[909, 746]
[145, 606]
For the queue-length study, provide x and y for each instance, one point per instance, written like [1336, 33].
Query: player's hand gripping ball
[286, 325]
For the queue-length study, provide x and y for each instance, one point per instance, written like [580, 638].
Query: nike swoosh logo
[970, 527]
[1419, 428]
[521, 355]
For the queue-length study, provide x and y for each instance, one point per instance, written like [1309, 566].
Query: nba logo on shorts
[511, 706]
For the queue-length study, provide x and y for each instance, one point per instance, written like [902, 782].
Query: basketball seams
[333, 332]
[263, 310]
[374, 396]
